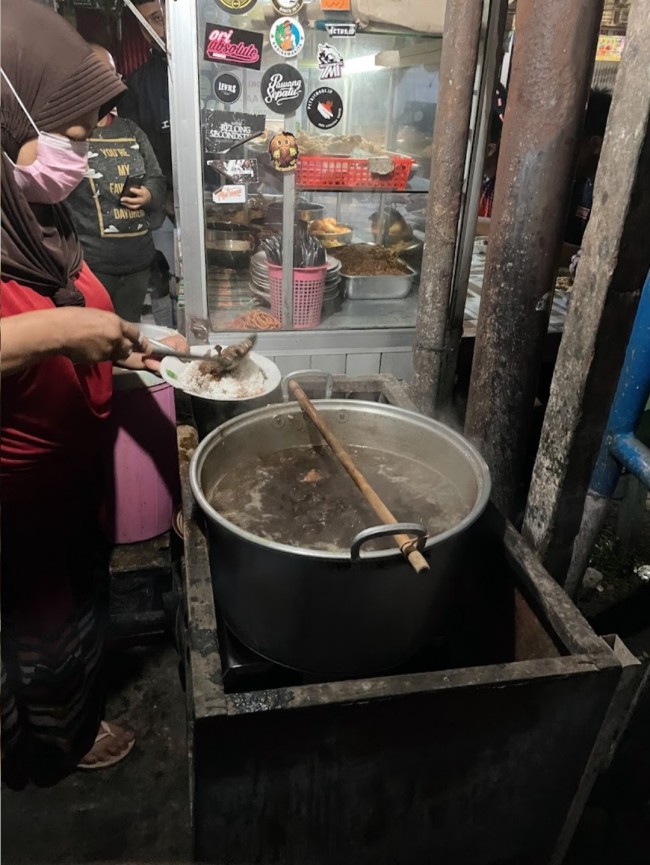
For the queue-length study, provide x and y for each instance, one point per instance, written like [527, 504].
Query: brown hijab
[59, 79]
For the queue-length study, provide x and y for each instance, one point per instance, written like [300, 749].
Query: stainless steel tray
[378, 287]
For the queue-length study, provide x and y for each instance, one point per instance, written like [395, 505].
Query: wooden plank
[609, 280]
[203, 662]
[621, 707]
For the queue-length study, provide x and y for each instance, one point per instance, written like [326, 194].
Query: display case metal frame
[182, 24]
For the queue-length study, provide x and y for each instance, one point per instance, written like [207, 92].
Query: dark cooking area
[289, 765]
[325, 432]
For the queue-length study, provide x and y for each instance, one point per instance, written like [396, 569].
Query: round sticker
[324, 107]
[288, 7]
[283, 88]
[287, 37]
[227, 88]
[236, 7]
[283, 150]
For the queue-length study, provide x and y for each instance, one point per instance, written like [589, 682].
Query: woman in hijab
[59, 336]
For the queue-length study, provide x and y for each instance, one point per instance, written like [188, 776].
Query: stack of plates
[259, 278]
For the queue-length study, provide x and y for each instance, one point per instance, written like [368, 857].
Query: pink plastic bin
[308, 290]
[142, 464]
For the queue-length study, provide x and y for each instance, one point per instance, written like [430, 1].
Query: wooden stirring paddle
[404, 542]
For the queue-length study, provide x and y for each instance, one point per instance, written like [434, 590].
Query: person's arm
[81, 334]
[151, 195]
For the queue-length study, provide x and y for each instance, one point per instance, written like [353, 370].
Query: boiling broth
[303, 497]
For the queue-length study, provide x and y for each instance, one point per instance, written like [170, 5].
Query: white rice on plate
[246, 381]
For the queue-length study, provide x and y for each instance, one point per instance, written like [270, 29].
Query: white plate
[171, 368]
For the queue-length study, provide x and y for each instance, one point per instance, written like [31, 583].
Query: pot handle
[383, 531]
[304, 373]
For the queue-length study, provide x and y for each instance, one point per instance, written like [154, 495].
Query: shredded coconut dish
[205, 379]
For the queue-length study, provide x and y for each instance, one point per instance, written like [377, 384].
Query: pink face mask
[59, 167]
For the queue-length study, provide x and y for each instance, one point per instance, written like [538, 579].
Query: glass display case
[304, 133]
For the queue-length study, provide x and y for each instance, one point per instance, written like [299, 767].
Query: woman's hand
[141, 359]
[92, 335]
[82, 334]
[138, 198]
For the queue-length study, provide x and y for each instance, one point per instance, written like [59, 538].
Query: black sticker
[236, 170]
[283, 88]
[227, 88]
[222, 129]
[233, 47]
[324, 107]
[339, 30]
[235, 7]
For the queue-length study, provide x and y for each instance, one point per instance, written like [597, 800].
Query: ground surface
[137, 812]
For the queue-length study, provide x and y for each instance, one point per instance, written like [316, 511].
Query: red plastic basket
[308, 290]
[342, 172]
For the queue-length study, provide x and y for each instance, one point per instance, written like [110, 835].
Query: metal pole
[609, 280]
[492, 52]
[552, 65]
[460, 44]
[187, 157]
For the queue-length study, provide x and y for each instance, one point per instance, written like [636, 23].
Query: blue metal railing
[621, 448]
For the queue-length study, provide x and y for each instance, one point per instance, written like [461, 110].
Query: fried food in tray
[339, 145]
[330, 233]
[365, 259]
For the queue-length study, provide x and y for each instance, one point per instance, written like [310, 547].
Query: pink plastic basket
[308, 289]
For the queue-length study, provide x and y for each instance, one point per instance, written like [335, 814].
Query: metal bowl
[304, 211]
[334, 239]
[229, 244]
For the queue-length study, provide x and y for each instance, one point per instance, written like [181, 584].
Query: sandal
[106, 731]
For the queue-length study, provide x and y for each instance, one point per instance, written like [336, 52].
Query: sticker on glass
[324, 108]
[330, 62]
[233, 194]
[227, 88]
[235, 7]
[287, 37]
[283, 88]
[283, 150]
[335, 5]
[223, 129]
[233, 47]
[288, 7]
[236, 170]
[340, 30]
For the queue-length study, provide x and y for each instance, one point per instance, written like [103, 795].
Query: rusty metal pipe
[460, 44]
[549, 86]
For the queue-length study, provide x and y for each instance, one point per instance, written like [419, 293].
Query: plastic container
[142, 476]
[308, 290]
[342, 172]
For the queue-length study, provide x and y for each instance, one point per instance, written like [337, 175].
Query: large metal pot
[336, 613]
